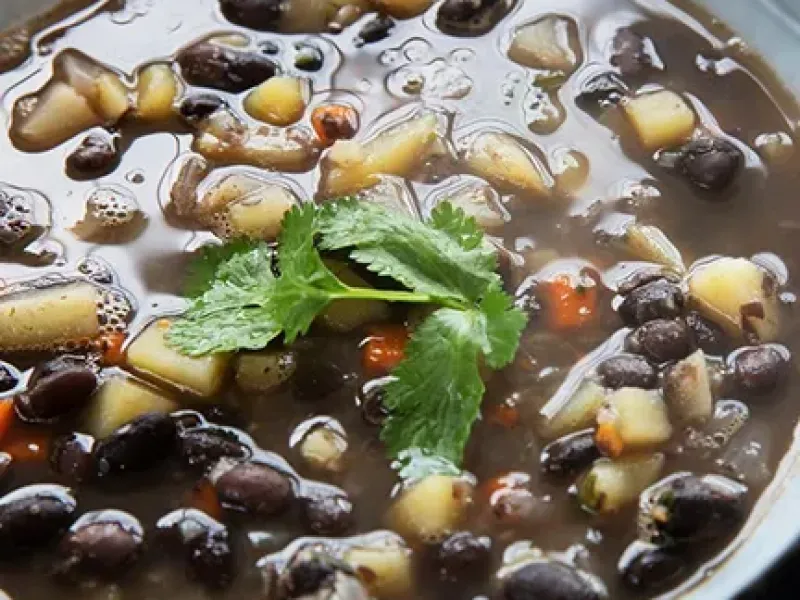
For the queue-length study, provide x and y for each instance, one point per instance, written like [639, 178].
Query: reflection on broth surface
[635, 173]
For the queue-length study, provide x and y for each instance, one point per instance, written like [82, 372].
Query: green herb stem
[352, 293]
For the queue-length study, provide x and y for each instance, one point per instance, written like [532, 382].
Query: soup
[391, 299]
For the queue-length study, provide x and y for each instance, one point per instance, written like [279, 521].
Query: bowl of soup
[397, 299]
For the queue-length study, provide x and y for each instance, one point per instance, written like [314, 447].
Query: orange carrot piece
[385, 348]
[568, 304]
[609, 441]
[6, 417]
[504, 415]
[27, 445]
[204, 497]
[334, 122]
[111, 346]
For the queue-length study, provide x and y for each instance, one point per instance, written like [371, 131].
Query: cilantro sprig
[434, 395]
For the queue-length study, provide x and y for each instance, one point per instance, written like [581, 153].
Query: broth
[121, 231]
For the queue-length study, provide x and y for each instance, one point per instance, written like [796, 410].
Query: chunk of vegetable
[120, 400]
[6, 417]
[387, 571]
[150, 355]
[578, 413]
[385, 348]
[661, 119]
[649, 243]
[278, 101]
[569, 304]
[347, 315]
[687, 389]
[263, 372]
[324, 449]
[58, 114]
[109, 97]
[481, 202]
[156, 93]
[48, 317]
[505, 163]
[610, 485]
[737, 295]
[400, 151]
[431, 509]
[549, 43]
[632, 419]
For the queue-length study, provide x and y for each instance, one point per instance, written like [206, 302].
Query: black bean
[464, 554]
[373, 403]
[254, 488]
[8, 378]
[136, 446]
[198, 107]
[63, 363]
[312, 574]
[96, 155]
[316, 378]
[6, 460]
[103, 543]
[659, 299]
[601, 91]
[629, 53]
[760, 370]
[628, 370]
[570, 454]
[215, 66]
[470, 17]
[269, 47]
[693, 509]
[548, 581]
[72, 456]
[328, 514]
[33, 516]
[308, 57]
[203, 447]
[57, 395]
[376, 29]
[708, 336]
[211, 559]
[710, 163]
[662, 340]
[652, 568]
[264, 15]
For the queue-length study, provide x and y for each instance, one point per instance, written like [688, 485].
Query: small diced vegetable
[737, 295]
[48, 317]
[404, 9]
[399, 151]
[385, 348]
[278, 101]
[120, 400]
[502, 161]
[480, 202]
[649, 243]
[109, 97]
[610, 485]
[569, 303]
[334, 122]
[158, 87]
[661, 119]
[324, 449]
[549, 43]
[347, 315]
[263, 372]
[431, 509]
[687, 389]
[6, 417]
[58, 114]
[259, 215]
[632, 419]
[150, 355]
[387, 571]
[578, 413]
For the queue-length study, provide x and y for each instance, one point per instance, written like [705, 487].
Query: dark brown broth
[759, 217]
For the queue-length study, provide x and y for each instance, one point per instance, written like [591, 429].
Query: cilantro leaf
[202, 272]
[423, 258]
[306, 286]
[503, 325]
[455, 223]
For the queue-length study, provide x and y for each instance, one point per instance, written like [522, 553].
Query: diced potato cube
[157, 90]
[430, 510]
[649, 243]
[324, 449]
[502, 161]
[737, 295]
[687, 389]
[109, 97]
[578, 413]
[260, 214]
[48, 317]
[386, 571]
[347, 315]
[610, 485]
[637, 418]
[549, 43]
[120, 400]
[59, 114]
[404, 9]
[397, 151]
[149, 354]
[263, 372]
[230, 189]
[278, 101]
[661, 119]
